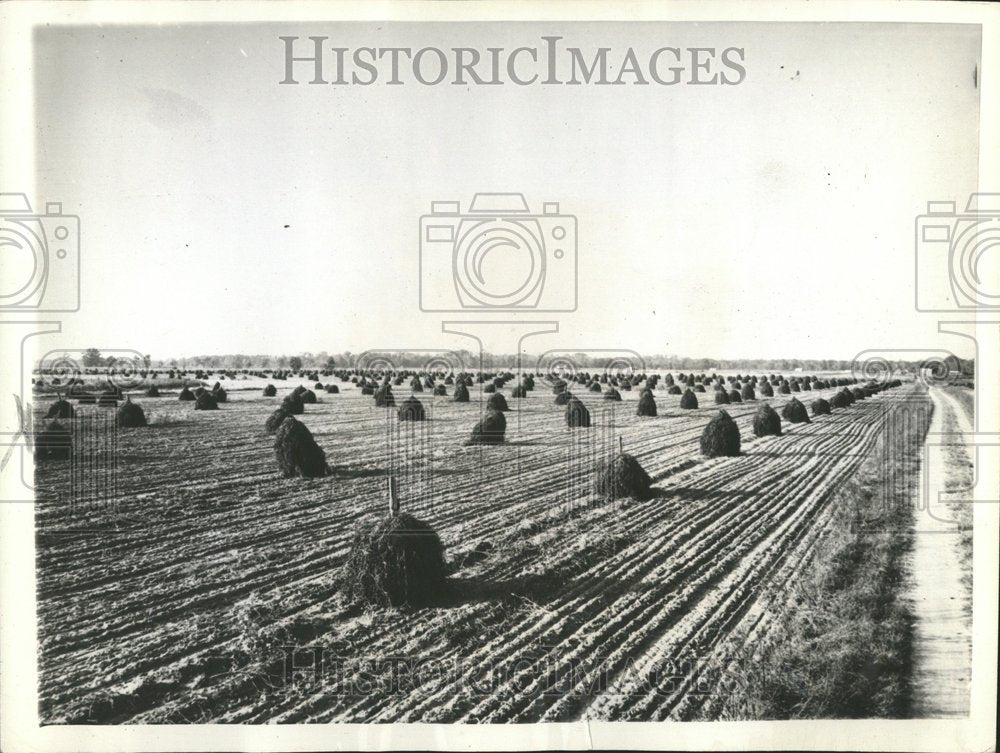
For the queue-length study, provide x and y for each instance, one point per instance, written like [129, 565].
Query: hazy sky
[224, 213]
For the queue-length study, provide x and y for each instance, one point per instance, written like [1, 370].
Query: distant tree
[92, 357]
[295, 363]
[147, 360]
[330, 363]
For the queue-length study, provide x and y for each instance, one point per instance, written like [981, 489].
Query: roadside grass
[960, 481]
[966, 396]
[841, 646]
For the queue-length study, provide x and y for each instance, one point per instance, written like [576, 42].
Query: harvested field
[173, 605]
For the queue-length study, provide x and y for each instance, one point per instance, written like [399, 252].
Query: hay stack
[153, 391]
[766, 389]
[820, 407]
[270, 391]
[275, 419]
[293, 404]
[564, 397]
[220, 395]
[721, 397]
[842, 399]
[766, 422]
[384, 397]
[613, 395]
[784, 389]
[416, 385]
[397, 562]
[206, 401]
[308, 397]
[490, 430]
[647, 404]
[859, 394]
[735, 396]
[497, 402]
[411, 409]
[747, 393]
[795, 412]
[461, 392]
[332, 389]
[130, 415]
[577, 415]
[55, 442]
[440, 390]
[689, 400]
[594, 386]
[699, 387]
[520, 391]
[673, 390]
[621, 476]
[60, 409]
[296, 451]
[721, 437]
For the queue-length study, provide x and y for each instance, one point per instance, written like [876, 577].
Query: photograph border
[20, 730]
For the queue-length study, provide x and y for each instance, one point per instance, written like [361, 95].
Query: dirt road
[942, 647]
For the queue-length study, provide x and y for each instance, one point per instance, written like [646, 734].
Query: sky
[222, 212]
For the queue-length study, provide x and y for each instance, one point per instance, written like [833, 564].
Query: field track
[581, 608]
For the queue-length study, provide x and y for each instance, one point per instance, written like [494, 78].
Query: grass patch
[841, 645]
[966, 397]
[960, 480]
